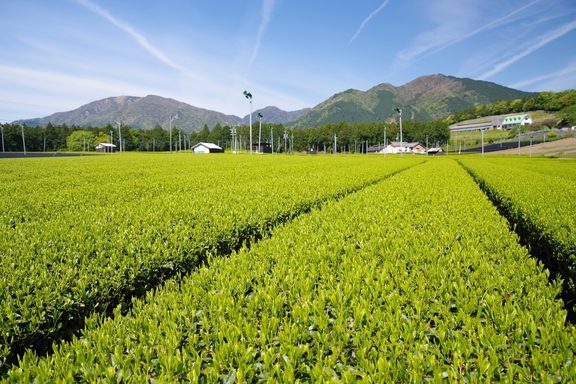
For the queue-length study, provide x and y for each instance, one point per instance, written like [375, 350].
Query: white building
[515, 120]
[207, 148]
[105, 147]
[404, 147]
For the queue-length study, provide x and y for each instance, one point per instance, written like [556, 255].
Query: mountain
[146, 112]
[137, 112]
[425, 98]
[274, 115]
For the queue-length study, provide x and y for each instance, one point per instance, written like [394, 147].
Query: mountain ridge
[424, 98]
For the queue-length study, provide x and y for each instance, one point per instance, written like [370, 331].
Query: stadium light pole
[172, 118]
[399, 111]
[248, 95]
[260, 133]
[120, 135]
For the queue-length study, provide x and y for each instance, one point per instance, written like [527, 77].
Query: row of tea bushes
[82, 234]
[404, 281]
[539, 199]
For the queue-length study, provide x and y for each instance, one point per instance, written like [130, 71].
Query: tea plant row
[539, 199]
[79, 235]
[403, 281]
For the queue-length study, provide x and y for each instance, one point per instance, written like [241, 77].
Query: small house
[105, 147]
[207, 148]
[435, 151]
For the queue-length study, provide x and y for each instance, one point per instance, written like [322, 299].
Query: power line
[31, 105]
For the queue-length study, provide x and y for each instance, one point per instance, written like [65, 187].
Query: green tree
[204, 134]
[80, 140]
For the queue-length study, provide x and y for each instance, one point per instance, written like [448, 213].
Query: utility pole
[385, 146]
[171, 118]
[23, 140]
[260, 133]
[335, 148]
[120, 135]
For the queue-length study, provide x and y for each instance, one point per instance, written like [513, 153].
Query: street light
[171, 118]
[248, 95]
[120, 135]
[260, 133]
[399, 111]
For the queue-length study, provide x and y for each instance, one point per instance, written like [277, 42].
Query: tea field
[163, 268]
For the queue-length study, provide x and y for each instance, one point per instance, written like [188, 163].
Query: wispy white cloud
[493, 24]
[539, 43]
[266, 12]
[140, 39]
[549, 80]
[72, 85]
[366, 20]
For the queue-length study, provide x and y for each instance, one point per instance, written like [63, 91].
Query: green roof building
[515, 120]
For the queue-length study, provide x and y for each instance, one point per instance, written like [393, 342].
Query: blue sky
[60, 54]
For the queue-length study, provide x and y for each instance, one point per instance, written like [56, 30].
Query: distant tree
[500, 107]
[515, 106]
[80, 140]
[529, 105]
[102, 137]
[204, 134]
[568, 114]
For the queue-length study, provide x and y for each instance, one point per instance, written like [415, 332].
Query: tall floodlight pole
[260, 133]
[285, 138]
[248, 95]
[120, 135]
[399, 111]
[23, 140]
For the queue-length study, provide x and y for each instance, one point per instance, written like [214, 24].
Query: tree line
[349, 137]
[562, 102]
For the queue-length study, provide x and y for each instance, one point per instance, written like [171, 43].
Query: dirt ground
[561, 148]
